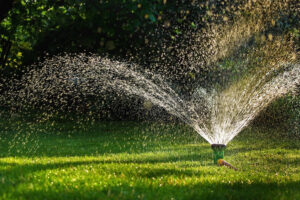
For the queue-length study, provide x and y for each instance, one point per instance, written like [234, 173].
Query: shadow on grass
[15, 168]
[197, 190]
[94, 147]
[204, 190]
[200, 153]
[147, 171]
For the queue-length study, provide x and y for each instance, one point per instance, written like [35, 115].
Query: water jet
[218, 115]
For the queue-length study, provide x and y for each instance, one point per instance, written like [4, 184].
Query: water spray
[218, 155]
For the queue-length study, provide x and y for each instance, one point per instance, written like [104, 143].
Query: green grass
[126, 160]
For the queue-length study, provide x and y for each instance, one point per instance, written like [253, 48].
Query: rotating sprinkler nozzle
[218, 150]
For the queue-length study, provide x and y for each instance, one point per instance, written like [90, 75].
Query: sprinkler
[218, 155]
[218, 150]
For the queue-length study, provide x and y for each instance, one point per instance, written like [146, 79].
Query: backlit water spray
[217, 115]
[269, 68]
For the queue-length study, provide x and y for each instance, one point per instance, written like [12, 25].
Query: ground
[130, 160]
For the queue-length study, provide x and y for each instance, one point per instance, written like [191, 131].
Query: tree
[5, 7]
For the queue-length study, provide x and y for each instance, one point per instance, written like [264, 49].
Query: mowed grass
[130, 160]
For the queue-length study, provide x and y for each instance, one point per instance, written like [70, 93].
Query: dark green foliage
[37, 27]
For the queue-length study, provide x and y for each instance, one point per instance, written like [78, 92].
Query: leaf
[177, 31]
[23, 3]
[193, 25]
[152, 18]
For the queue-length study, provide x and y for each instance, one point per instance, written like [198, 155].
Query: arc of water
[217, 116]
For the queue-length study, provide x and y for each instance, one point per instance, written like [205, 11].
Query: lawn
[130, 160]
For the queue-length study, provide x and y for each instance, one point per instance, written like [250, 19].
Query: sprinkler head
[218, 150]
